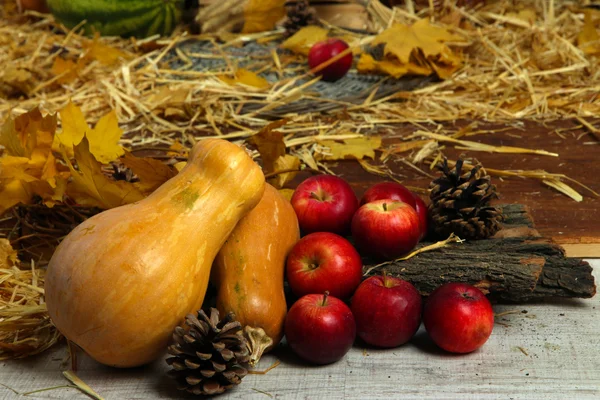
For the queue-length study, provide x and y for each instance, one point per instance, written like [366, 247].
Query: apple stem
[325, 298]
[315, 196]
[385, 278]
[384, 207]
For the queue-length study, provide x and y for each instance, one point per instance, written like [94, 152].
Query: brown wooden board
[574, 225]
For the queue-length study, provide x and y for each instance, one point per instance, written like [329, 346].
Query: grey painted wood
[561, 340]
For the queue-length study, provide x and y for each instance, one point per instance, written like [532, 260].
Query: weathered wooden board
[573, 225]
[541, 351]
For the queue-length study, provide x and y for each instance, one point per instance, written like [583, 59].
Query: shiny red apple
[458, 317]
[386, 229]
[324, 203]
[320, 328]
[387, 311]
[325, 50]
[422, 212]
[324, 261]
[388, 190]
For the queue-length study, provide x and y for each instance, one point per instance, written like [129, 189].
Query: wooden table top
[539, 351]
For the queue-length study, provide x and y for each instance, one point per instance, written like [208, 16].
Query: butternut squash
[120, 282]
[248, 271]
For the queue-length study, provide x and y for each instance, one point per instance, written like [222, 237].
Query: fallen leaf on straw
[106, 55]
[286, 162]
[90, 187]
[588, 39]
[66, 70]
[245, 77]
[262, 15]
[419, 49]
[269, 143]
[301, 41]
[443, 243]
[8, 256]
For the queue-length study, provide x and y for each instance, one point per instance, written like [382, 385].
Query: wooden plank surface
[572, 224]
[541, 351]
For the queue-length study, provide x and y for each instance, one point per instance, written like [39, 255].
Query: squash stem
[258, 343]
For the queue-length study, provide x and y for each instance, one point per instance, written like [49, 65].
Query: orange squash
[120, 282]
[249, 269]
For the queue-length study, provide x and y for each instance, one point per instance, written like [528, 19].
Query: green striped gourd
[126, 18]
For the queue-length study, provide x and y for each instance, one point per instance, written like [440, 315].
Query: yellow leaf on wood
[91, 187]
[8, 255]
[104, 139]
[151, 172]
[285, 162]
[301, 41]
[270, 144]
[357, 148]
[262, 15]
[245, 77]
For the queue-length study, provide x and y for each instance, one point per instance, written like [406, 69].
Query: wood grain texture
[573, 225]
[540, 351]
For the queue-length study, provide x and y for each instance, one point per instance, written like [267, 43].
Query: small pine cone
[460, 202]
[208, 357]
[299, 15]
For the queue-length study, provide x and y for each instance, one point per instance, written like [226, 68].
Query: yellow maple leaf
[74, 126]
[245, 77]
[12, 193]
[18, 168]
[104, 138]
[416, 49]
[90, 187]
[285, 163]
[151, 172]
[358, 148]
[27, 132]
[270, 144]
[107, 55]
[262, 15]
[301, 41]
[66, 70]
[8, 255]
[588, 39]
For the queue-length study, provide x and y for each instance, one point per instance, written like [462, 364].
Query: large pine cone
[208, 358]
[460, 202]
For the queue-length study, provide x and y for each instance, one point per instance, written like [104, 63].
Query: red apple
[458, 317]
[323, 51]
[324, 261]
[386, 229]
[320, 328]
[324, 203]
[387, 311]
[388, 190]
[422, 212]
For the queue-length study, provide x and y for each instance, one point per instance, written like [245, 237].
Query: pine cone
[299, 14]
[207, 358]
[460, 203]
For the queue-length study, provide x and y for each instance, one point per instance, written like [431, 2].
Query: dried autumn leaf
[262, 15]
[417, 49]
[177, 149]
[74, 126]
[165, 96]
[107, 55]
[285, 163]
[151, 172]
[245, 77]
[8, 256]
[29, 131]
[66, 70]
[588, 39]
[104, 138]
[287, 193]
[90, 187]
[357, 148]
[270, 144]
[302, 41]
